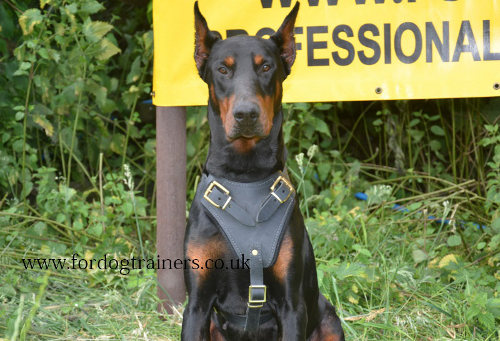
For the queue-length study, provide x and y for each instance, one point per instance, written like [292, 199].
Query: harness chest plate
[251, 215]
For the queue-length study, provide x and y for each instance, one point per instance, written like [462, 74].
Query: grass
[72, 309]
[393, 275]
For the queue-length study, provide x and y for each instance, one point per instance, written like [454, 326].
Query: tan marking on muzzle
[226, 113]
[266, 106]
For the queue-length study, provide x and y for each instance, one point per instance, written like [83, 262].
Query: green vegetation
[77, 149]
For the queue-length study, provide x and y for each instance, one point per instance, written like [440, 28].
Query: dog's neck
[266, 157]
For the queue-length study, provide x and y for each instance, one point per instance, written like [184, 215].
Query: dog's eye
[266, 67]
[222, 70]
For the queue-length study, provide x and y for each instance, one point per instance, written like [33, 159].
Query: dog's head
[244, 76]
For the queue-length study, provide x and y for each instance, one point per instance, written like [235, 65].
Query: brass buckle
[222, 188]
[287, 184]
[256, 303]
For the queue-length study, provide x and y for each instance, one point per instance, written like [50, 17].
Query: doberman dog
[244, 75]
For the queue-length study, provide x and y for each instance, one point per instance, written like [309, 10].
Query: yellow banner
[347, 50]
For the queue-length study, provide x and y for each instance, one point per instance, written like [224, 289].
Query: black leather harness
[252, 216]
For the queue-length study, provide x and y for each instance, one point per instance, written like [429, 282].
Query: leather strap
[222, 198]
[241, 320]
[256, 291]
[280, 194]
[257, 297]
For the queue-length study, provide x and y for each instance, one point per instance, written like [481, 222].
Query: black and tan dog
[245, 206]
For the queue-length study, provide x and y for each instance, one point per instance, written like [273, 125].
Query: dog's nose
[246, 113]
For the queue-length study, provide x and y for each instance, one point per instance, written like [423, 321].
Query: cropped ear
[204, 40]
[285, 40]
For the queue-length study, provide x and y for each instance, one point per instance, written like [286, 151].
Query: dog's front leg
[196, 319]
[292, 311]
[293, 320]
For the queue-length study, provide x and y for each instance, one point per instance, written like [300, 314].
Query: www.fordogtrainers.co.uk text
[124, 265]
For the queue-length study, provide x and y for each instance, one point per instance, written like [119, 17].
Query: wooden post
[170, 201]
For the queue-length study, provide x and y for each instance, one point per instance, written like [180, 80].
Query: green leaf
[19, 115]
[128, 209]
[95, 30]
[437, 130]
[447, 260]
[414, 206]
[78, 225]
[140, 206]
[414, 122]
[54, 55]
[435, 145]
[287, 130]
[150, 148]
[43, 53]
[495, 225]
[5, 136]
[481, 245]
[416, 134]
[322, 106]
[135, 71]
[487, 320]
[454, 240]
[322, 127]
[130, 95]
[108, 49]
[117, 142]
[40, 228]
[346, 270]
[324, 169]
[29, 19]
[44, 2]
[91, 7]
[472, 312]
[493, 306]
[17, 146]
[27, 188]
[494, 242]
[22, 70]
[419, 256]
[58, 248]
[24, 66]
[67, 193]
[61, 218]
[362, 250]
[101, 95]
[95, 229]
[147, 39]
[301, 106]
[71, 8]
[45, 124]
